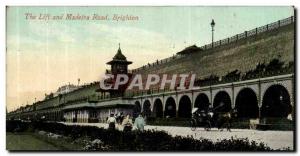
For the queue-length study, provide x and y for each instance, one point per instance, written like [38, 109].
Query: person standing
[127, 123]
[122, 117]
[111, 122]
[139, 123]
[118, 116]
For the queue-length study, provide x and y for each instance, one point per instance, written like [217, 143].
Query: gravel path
[274, 139]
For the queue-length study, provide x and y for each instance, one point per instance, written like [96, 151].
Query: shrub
[149, 140]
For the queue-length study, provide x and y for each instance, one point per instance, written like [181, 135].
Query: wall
[242, 55]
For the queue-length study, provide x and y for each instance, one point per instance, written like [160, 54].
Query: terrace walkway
[274, 139]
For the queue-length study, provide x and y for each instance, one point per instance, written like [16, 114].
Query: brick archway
[157, 108]
[276, 102]
[222, 102]
[202, 102]
[170, 107]
[246, 104]
[185, 107]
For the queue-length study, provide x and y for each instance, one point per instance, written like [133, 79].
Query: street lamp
[212, 24]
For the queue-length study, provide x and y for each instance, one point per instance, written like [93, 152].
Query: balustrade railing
[232, 39]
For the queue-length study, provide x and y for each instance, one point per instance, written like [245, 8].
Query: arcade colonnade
[79, 115]
[259, 98]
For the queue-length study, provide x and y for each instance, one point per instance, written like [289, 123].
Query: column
[66, 117]
[232, 99]
[259, 99]
[84, 116]
[73, 116]
[70, 116]
[80, 116]
[87, 116]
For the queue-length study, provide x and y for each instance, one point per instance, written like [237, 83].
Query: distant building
[65, 89]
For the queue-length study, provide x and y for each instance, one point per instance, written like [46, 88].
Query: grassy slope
[26, 142]
[34, 141]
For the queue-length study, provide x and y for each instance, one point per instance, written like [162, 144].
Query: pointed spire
[119, 57]
[119, 50]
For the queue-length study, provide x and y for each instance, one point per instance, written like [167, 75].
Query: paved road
[274, 139]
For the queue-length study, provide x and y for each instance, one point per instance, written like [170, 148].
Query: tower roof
[119, 55]
[119, 58]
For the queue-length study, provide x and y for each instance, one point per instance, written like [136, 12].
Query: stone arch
[287, 84]
[155, 98]
[136, 109]
[157, 108]
[222, 102]
[254, 87]
[170, 107]
[202, 102]
[188, 94]
[147, 108]
[185, 107]
[276, 102]
[146, 99]
[246, 104]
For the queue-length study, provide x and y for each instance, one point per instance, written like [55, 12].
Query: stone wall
[242, 55]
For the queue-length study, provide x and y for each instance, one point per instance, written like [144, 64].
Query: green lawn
[25, 141]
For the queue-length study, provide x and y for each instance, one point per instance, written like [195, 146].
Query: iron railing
[229, 40]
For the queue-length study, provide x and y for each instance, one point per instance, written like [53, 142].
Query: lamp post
[212, 24]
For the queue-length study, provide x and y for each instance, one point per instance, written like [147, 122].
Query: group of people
[212, 116]
[126, 122]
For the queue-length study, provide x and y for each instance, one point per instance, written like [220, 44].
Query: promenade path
[274, 139]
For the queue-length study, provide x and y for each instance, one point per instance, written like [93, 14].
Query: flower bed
[141, 141]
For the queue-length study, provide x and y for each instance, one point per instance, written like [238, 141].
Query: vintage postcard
[150, 78]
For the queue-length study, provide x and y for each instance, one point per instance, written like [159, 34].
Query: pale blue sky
[43, 55]
[179, 24]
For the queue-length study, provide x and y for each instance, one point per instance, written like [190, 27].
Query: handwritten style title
[77, 16]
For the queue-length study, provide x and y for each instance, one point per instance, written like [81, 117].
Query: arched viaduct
[265, 97]
[257, 98]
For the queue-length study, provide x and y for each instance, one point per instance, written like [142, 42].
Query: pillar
[87, 116]
[192, 100]
[80, 116]
[232, 99]
[211, 98]
[72, 116]
[84, 116]
[259, 100]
